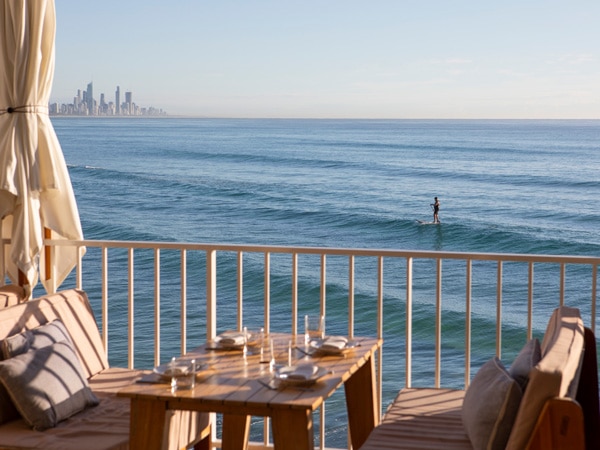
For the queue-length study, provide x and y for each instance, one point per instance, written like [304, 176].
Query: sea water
[504, 186]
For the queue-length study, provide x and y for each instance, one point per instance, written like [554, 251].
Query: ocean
[510, 186]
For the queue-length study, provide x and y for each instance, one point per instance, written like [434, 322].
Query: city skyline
[84, 104]
[338, 59]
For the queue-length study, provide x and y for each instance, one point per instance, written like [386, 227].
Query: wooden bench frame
[564, 423]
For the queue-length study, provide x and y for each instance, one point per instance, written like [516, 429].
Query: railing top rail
[397, 253]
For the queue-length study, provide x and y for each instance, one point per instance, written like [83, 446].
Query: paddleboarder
[436, 208]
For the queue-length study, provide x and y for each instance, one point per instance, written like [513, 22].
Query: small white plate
[319, 345]
[253, 340]
[167, 370]
[286, 374]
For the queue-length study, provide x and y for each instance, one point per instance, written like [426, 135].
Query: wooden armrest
[560, 426]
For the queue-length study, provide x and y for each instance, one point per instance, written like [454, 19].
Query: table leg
[293, 429]
[236, 429]
[147, 423]
[361, 402]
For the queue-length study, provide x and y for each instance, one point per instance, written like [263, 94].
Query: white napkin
[232, 338]
[175, 370]
[303, 372]
[334, 343]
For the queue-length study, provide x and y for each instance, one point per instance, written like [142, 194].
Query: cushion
[47, 385]
[37, 338]
[556, 375]
[17, 344]
[528, 357]
[490, 406]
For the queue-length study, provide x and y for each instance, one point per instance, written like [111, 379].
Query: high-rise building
[118, 100]
[90, 97]
[128, 100]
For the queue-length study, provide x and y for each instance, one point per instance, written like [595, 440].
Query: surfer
[436, 208]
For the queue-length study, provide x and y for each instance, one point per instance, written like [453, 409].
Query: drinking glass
[183, 374]
[281, 352]
[313, 328]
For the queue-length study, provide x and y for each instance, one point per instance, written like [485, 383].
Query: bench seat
[556, 408]
[101, 427]
[415, 412]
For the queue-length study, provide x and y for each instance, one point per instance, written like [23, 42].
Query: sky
[380, 59]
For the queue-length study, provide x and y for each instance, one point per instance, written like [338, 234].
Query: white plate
[286, 374]
[253, 339]
[167, 370]
[317, 345]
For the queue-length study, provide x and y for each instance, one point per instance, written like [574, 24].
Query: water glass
[314, 328]
[281, 352]
[183, 374]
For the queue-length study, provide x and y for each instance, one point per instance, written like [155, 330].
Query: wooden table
[234, 386]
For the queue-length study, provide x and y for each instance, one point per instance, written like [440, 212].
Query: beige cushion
[490, 406]
[47, 385]
[556, 375]
[103, 427]
[422, 418]
[10, 295]
[528, 357]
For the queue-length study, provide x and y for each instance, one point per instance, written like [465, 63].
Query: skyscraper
[128, 100]
[118, 100]
[90, 98]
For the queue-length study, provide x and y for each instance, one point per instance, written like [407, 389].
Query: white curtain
[35, 187]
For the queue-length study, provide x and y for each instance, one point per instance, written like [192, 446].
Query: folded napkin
[334, 343]
[176, 371]
[303, 372]
[232, 338]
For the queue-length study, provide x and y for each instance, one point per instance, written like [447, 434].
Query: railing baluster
[240, 291]
[79, 272]
[294, 294]
[267, 278]
[211, 294]
[322, 312]
[156, 306]
[323, 283]
[594, 290]
[409, 282]
[351, 296]
[183, 305]
[499, 310]
[469, 275]
[562, 284]
[130, 304]
[105, 297]
[530, 302]
[438, 323]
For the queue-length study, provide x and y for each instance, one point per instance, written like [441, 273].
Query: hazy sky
[336, 58]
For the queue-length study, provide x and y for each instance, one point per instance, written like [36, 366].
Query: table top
[228, 382]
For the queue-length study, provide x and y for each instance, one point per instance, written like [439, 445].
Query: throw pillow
[34, 339]
[528, 357]
[490, 406]
[47, 385]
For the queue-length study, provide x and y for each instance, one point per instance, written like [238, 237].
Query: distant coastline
[85, 105]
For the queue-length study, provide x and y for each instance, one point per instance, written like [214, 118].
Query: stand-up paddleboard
[424, 222]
